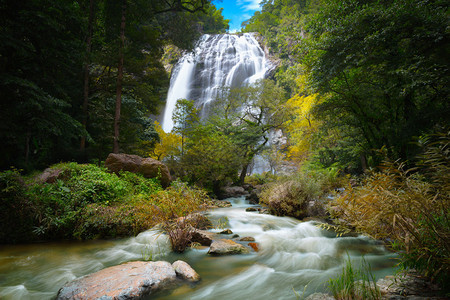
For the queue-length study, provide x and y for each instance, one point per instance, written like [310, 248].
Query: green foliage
[380, 69]
[85, 201]
[354, 284]
[45, 47]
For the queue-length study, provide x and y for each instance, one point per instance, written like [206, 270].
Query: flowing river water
[294, 258]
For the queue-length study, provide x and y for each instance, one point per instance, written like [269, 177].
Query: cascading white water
[222, 60]
[293, 255]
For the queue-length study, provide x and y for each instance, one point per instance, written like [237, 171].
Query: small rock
[251, 209]
[247, 239]
[202, 237]
[319, 296]
[226, 247]
[264, 211]
[226, 231]
[254, 246]
[185, 271]
[235, 236]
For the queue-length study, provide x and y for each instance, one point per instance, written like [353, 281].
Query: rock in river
[127, 281]
[225, 247]
[185, 271]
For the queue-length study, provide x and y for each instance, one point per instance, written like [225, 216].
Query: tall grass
[354, 283]
[409, 207]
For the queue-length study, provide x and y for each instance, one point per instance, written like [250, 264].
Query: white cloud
[249, 4]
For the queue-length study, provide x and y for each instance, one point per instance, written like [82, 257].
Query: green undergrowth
[85, 201]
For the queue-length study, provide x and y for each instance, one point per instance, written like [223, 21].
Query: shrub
[86, 201]
[409, 208]
[290, 196]
[177, 202]
[286, 198]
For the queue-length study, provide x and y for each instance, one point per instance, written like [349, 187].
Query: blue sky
[237, 11]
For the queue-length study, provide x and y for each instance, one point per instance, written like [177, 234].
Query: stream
[295, 259]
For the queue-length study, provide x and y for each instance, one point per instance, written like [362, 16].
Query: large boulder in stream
[149, 167]
[226, 247]
[132, 280]
[232, 192]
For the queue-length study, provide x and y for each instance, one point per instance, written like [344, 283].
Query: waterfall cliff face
[218, 61]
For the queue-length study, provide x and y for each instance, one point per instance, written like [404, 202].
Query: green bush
[84, 197]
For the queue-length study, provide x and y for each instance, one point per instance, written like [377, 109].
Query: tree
[381, 71]
[249, 115]
[157, 8]
[40, 59]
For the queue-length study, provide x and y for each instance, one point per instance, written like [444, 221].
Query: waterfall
[222, 60]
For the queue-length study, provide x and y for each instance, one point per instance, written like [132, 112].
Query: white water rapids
[293, 255]
[221, 60]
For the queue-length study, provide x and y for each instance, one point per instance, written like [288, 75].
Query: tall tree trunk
[243, 173]
[86, 73]
[119, 79]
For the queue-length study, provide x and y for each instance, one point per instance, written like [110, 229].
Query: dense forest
[75, 72]
[359, 97]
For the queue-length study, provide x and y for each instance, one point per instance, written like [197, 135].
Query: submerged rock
[226, 247]
[247, 239]
[251, 209]
[319, 296]
[185, 271]
[127, 281]
[149, 167]
[226, 231]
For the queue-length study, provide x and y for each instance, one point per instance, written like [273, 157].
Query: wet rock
[226, 247]
[185, 271]
[235, 236]
[247, 239]
[202, 237]
[127, 281]
[232, 191]
[264, 211]
[149, 167]
[254, 246]
[226, 231]
[254, 195]
[251, 209]
[218, 203]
